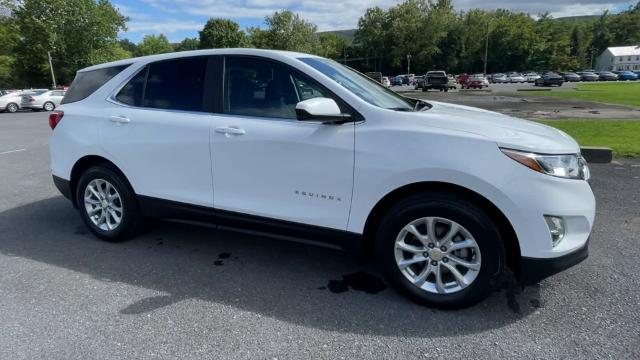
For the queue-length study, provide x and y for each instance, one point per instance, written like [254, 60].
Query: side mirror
[321, 109]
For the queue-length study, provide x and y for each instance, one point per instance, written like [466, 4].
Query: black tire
[132, 219]
[11, 107]
[456, 208]
[48, 103]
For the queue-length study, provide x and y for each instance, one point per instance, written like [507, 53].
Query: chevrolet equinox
[445, 197]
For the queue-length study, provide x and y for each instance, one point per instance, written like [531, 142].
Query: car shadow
[301, 284]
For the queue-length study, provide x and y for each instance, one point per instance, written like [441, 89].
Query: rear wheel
[107, 204]
[440, 250]
[48, 106]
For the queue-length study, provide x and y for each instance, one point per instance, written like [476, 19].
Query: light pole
[486, 47]
[408, 64]
[53, 75]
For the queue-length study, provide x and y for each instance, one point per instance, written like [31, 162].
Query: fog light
[557, 227]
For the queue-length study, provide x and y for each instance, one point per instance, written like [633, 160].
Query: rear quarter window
[87, 82]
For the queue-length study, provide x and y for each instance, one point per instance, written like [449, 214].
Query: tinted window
[86, 82]
[263, 88]
[176, 84]
[131, 94]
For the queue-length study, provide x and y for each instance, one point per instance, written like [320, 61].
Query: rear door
[158, 132]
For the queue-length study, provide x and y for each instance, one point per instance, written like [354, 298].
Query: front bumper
[534, 270]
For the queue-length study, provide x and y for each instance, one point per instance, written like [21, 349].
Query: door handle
[230, 130]
[120, 119]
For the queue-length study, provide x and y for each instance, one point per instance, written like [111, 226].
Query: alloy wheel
[103, 204]
[437, 255]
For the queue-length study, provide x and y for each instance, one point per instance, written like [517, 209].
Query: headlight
[568, 166]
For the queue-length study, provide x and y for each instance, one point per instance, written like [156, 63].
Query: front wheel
[440, 250]
[107, 204]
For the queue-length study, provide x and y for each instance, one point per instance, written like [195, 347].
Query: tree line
[427, 34]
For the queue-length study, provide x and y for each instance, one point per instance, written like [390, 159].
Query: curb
[597, 155]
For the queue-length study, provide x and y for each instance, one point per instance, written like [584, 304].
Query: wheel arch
[510, 239]
[86, 162]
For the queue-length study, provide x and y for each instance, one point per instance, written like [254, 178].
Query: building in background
[619, 58]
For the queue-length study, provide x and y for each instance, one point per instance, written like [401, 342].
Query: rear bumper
[64, 186]
[534, 270]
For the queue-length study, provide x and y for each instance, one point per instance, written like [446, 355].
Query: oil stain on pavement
[359, 281]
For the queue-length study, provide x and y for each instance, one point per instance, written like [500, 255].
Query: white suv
[444, 196]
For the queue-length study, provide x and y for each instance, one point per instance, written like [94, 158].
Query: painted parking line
[12, 151]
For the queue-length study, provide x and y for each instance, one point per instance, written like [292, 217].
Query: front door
[265, 162]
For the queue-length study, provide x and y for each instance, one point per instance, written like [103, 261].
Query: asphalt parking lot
[184, 291]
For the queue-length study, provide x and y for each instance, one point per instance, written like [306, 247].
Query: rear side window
[86, 82]
[176, 84]
[131, 94]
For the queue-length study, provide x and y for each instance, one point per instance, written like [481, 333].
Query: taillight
[54, 118]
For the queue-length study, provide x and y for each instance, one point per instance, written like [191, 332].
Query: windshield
[360, 85]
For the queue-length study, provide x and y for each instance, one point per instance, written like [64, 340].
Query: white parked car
[10, 102]
[482, 79]
[532, 77]
[386, 82]
[516, 78]
[44, 100]
[443, 196]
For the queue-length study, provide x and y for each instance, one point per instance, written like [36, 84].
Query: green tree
[152, 44]
[128, 45]
[330, 45]
[9, 38]
[188, 44]
[73, 31]
[222, 33]
[285, 31]
[371, 35]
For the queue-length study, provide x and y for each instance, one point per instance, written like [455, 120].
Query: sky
[179, 19]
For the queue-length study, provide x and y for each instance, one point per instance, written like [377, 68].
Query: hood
[506, 131]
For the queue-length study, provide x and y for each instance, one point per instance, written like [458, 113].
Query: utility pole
[592, 51]
[53, 76]
[486, 48]
[408, 64]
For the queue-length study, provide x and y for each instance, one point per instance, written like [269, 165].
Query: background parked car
[436, 80]
[483, 80]
[607, 76]
[532, 76]
[385, 81]
[419, 82]
[571, 77]
[47, 100]
[499, 78]
[627, 76]
[516, 78]
[10, 102]
[589, 76]
[549, 79]
[469, 82]
[397, 81]
[377, 76]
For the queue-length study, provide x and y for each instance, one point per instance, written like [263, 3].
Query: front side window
[256, 87]
[176, 84]
[362, 86]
